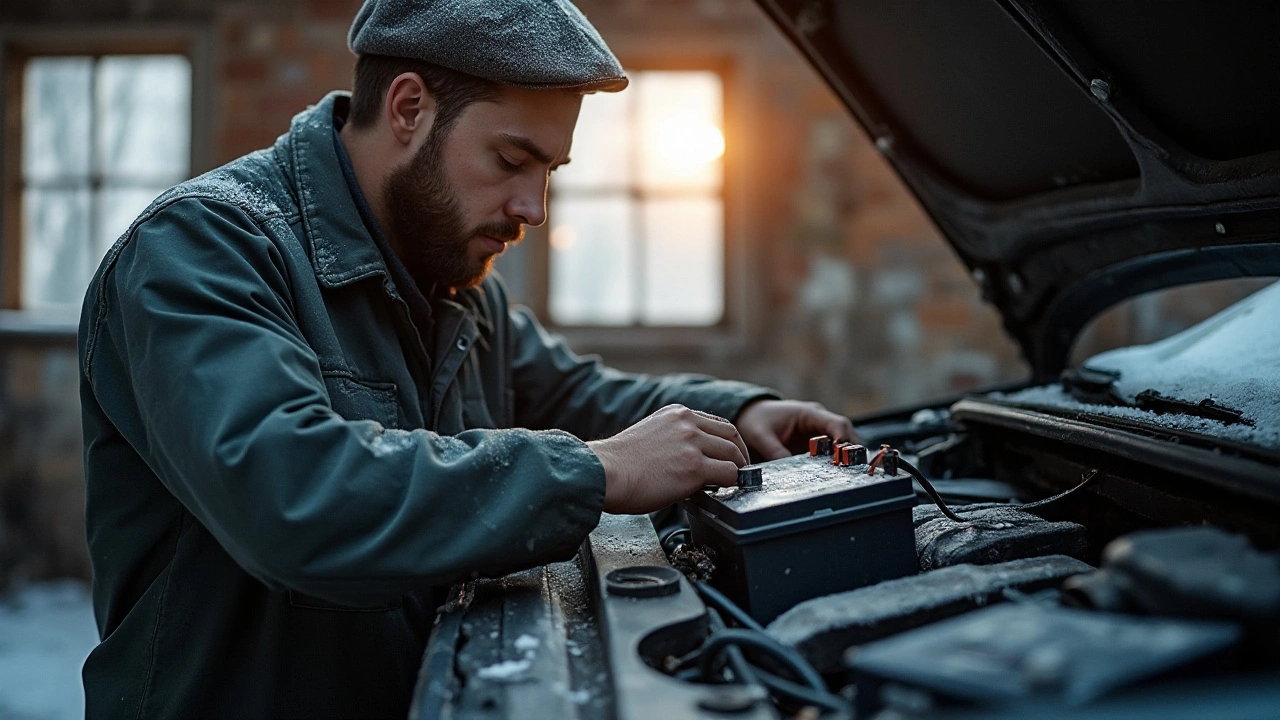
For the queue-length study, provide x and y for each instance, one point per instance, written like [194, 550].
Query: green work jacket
[284, 466]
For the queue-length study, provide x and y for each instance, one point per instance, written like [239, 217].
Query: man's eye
[507, 164]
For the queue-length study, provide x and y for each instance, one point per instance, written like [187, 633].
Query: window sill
[39, 327]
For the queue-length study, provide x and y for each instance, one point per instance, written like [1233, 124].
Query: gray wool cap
[526, 43]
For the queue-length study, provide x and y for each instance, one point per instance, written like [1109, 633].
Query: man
[308, 407]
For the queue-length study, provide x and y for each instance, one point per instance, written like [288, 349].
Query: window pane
[144, 110]
[684, 261]
[56, 265]
[55, 119]
[681, 140]
[648, 160]
[602, 148]
[117, 208]
[592, 276]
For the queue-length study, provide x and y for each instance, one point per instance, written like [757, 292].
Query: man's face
[469, 191]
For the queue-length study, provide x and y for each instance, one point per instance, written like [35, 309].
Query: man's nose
[529, 205]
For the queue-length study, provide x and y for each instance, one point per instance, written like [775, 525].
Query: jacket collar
[342, 251]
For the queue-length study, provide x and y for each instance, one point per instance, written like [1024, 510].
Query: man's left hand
[770, 426]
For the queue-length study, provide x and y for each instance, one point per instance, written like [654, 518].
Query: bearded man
[307, 404]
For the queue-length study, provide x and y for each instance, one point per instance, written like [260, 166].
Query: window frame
[19, 45]
[637, 195]
[730, 58]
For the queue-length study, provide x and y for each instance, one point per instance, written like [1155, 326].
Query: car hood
[1074, 154]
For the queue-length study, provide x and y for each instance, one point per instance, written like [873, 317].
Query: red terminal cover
[815, 443]
[842, 454]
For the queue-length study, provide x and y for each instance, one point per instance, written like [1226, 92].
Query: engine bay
[1036, 581]
[966, 560]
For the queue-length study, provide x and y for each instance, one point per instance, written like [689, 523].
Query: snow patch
[577, 697]
[1233, 358]
[384, 442]
[503, 671]
[46, 632]
[389, 442]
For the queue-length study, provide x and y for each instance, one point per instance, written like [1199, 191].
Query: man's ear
[409, 107]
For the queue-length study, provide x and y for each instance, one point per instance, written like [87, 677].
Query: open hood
[1075, 154]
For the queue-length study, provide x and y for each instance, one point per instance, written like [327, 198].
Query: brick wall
[270, 64]
[855, 299]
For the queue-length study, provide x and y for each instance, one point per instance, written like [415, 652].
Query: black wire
[788, 657]
[754, 636]
[742, 671]
[1041, 503]
[716, 599]
[667, 540]
[815, 693]
[928, 487]
[688, 674]
[727, 606]
[937, 499]
[806, 695]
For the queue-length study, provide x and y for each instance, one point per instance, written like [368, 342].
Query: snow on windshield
[1233, 358]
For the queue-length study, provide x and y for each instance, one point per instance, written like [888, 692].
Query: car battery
[808, 527]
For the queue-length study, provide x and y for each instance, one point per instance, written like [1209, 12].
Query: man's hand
[668, 456]
[770, 426]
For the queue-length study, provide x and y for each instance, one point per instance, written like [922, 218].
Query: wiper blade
[1093, 386]
[1207, 408]
[1098, 387]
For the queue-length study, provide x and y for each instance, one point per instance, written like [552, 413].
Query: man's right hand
[668, 456]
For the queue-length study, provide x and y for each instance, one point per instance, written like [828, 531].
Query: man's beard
[427, 229]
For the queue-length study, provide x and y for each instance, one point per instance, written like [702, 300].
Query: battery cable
[942, 506]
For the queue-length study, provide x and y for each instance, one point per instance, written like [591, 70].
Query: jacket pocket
[308, 602]
[357, 399]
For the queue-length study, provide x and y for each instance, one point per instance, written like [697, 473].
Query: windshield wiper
[1207, 408]
[1098, 387]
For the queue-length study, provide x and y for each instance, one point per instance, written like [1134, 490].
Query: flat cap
[526, 43]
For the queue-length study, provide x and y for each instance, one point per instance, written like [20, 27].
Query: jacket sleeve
[556, 388]
[228, 407]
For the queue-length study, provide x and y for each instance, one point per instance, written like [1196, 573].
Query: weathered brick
[339, 10]
[937, 314]
[241, 68]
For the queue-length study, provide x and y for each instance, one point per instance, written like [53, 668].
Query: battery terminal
[891, 458]
[842, 454]
[875, 461]
[857, 455]
[820, 445]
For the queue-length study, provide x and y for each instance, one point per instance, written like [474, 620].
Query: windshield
[1219, 378]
